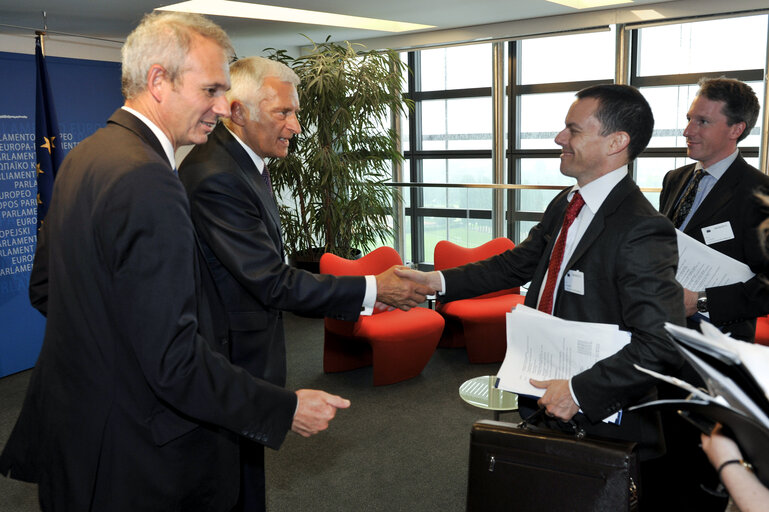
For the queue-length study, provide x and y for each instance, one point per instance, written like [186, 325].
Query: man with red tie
[601, 253]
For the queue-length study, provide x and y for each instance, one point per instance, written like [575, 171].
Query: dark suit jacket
[128, 407]
[736, 306]
[237, 221]
[628, 257]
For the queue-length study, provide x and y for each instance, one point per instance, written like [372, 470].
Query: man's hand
[400, 292]
[690, 302]
[431, 280]
[557, 399]
[315, 409]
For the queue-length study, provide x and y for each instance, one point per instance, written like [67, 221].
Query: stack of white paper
[721, 388]
[543, 347]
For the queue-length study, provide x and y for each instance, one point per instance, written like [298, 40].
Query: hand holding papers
[543, 347]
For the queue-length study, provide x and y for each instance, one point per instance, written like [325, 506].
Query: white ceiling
[114, 19]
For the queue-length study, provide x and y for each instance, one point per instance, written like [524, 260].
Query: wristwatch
[702, 302]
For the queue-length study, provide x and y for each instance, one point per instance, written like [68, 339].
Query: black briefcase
[527, 468]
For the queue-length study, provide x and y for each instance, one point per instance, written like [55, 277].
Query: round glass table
[480, 392]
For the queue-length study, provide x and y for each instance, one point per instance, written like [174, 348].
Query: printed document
[700, 266]
[543, 347]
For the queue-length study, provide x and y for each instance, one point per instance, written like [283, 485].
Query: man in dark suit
[129, 407]
[722, 114]
[718, 191]
[236, 218]
[618, 266]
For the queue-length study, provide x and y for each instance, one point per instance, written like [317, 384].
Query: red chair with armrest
[762, 330]
[476, 323]
[398, 344]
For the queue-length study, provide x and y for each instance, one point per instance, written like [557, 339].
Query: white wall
[62, 46]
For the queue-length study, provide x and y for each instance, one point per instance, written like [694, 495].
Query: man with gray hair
[132, 405]
[237, 221]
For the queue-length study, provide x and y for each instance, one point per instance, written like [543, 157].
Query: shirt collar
[719, 168]
[258, 161]
[165, 142]
[596, 192]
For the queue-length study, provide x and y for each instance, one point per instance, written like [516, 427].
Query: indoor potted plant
[332, 184]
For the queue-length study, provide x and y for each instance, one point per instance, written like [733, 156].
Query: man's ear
[238, 113]
[156, 79]
[736, 130]
[619, 142]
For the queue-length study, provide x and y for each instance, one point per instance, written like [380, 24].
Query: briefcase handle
[537, 417]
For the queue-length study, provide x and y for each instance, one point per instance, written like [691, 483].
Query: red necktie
[556, 258]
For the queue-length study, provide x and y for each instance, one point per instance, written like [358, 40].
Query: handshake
[404, 288]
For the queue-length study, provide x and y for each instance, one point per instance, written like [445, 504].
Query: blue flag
[47, 144]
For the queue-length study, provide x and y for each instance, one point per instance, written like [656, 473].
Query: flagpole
[41, 33]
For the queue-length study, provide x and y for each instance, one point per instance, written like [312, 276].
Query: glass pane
[465, 232]
[542, 117]
[405, 132]
[649, 172]
[542, 59]
[462, 198]
[540, 171]
[524, 226]
[458, 171]
[670, 105]
[458, 67]
[456, 124]
[715, 45]
[407, 246]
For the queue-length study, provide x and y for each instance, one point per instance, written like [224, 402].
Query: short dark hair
[740, 102]
[622, 108]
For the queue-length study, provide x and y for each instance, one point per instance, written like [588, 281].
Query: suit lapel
[718, 197]
[131, 122]
[552, 221]
[594, 230]
[248, 172]
[676, 193]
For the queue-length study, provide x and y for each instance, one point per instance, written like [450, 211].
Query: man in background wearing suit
[617, 265]
[236, 217]
[714, 202]
[129, 407]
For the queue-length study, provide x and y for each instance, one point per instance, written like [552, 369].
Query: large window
[448, 139]
[546, 74]
[449, 142]
[668, 61]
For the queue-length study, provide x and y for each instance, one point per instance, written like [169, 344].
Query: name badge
[574, 282]
[717, 233]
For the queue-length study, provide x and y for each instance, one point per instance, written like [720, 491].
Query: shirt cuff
[443, 284]
[369, 299]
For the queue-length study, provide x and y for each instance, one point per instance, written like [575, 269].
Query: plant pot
[307, 259]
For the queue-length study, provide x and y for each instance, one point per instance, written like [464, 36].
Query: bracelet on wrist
[746, 465]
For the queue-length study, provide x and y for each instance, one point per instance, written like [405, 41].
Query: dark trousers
[252, 492]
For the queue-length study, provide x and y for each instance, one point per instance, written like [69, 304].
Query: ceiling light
[588, 4]
[270, 12]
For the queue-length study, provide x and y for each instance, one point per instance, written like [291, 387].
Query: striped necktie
[687, 200]
[266, 178]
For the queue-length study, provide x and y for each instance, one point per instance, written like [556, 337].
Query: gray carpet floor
[402, 447]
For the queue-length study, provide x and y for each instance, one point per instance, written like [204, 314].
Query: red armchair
[398, 344]
[477, 323]
[762, 330]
